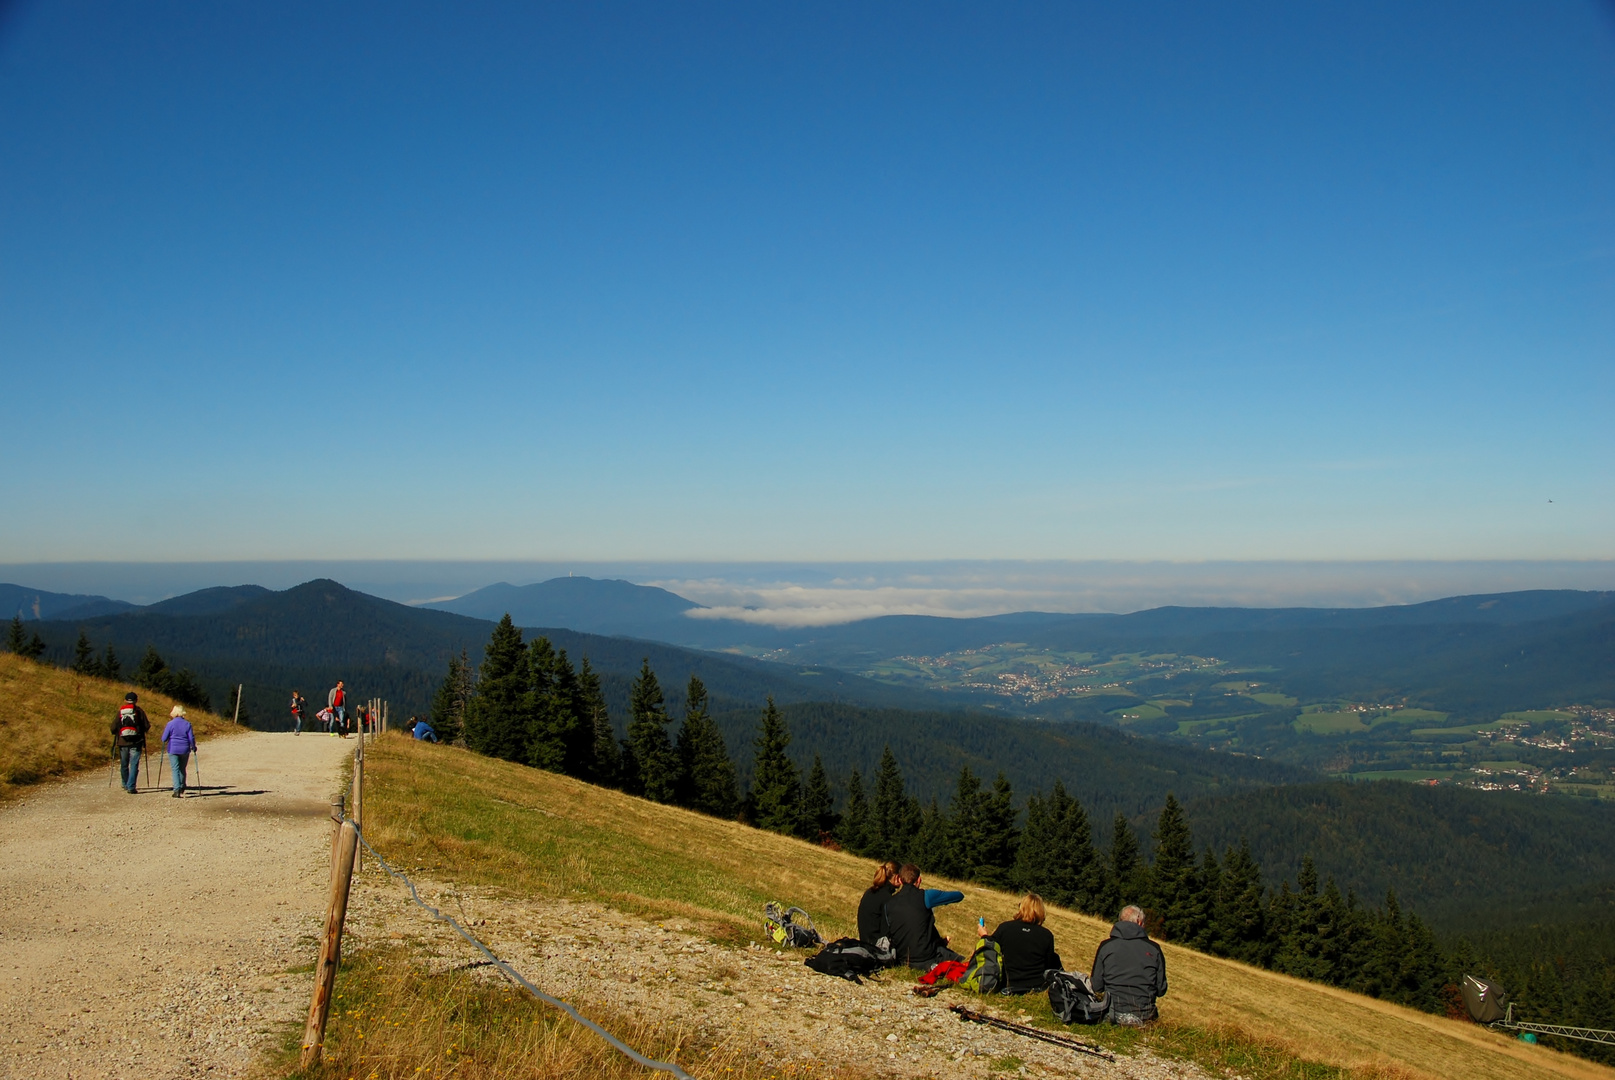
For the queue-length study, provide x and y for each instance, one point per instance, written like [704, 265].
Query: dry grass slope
[529, 832]
[54, 723]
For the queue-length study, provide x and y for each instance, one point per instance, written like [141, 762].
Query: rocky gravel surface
[150, 937]
[763, 999]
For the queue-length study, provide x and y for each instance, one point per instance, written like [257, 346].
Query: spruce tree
[1034, 860]
[709, 774]
[889, 817]
[16, 639]
[853, 832]
[36, 647]
[495, 719]
[776, 784]
[1173, 885]
[84, 662]
[150, 672]
[932, 846]
[1128, 880]
[548, 717]
[574, 725]
[1056, 857]
[654, 759]
[818, 820]
[965, 830]
[110, 667]
[1240, 916]
[449, 703]
[995, 858]
[604, 759]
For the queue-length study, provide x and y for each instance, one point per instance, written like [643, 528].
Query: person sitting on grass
[872, 905]
[1028, 948]
[423, 731]
[912, 924]
[1131, 969]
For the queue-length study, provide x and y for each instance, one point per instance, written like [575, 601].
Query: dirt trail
[146, 936]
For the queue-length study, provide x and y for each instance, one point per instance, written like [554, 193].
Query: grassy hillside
[54, 723]
[527, 832]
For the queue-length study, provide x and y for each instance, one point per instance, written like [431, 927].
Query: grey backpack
[1072, 998]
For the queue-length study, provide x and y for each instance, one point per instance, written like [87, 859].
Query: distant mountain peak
[591, 605]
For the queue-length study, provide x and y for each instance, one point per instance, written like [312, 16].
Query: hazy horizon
[804, 594]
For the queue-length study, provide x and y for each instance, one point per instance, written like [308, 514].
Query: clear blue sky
[681, 281]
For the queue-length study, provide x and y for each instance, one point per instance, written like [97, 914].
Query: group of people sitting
[897, 919]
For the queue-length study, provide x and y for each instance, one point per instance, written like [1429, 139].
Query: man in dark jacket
[129, 729]
[1131, 969]
[912, 926]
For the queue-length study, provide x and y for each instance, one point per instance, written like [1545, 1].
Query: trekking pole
[148, 769]
[196, 757]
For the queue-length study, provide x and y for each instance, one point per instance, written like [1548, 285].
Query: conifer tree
[84, 662]
[776, 784]
[995, 858]
[965, 829]
[932, 846]
[890, 815]
[1240, 917]
[548, 716]
[1173, 888]
[36, 647]
[576, 730]
[818, 820]
[149, 672]
[16, 639]
[449, 703]
[496, 719]
[1128, 880]
[654, 759]
[1056, 856]
[604, 757]
[109, 666]
[853, 831]
[709, 774]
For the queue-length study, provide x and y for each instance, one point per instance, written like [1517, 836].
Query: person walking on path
[336, 701]
[1131, 969]
[179, 739]
[299, 707]
[129, 729]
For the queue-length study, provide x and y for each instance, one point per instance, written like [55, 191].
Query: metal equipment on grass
[1488, 1004]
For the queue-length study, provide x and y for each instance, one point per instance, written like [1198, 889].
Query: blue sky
[763, 282]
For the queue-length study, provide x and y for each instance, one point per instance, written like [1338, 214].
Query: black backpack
[845, 958]
[1072, 999]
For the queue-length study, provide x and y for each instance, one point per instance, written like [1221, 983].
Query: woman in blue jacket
[179, 739]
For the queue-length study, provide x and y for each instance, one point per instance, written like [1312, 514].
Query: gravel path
[145, 936]
[763, 999]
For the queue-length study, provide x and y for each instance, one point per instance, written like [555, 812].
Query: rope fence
[346, 839]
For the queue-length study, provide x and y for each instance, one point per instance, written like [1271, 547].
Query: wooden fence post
[336, 913]
[336, 829]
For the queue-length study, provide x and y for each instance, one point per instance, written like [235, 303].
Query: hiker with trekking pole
[179, 740]
[129, 729]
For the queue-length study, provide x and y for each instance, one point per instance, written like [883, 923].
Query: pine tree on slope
[604, 756]
[84, 662]
[709, 774]
[818, 819]
[853, 831]
[16, 639]
[776, 785]
[993, 860]
[109, 666]
[654, 758]
[892, 821]
[496, 720]
[448, 704]
[1128, 880]
[1171, 895]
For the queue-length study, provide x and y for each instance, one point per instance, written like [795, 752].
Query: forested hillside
[1472, 860]
[309, 636]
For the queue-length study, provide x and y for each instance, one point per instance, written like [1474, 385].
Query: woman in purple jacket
[179, 739]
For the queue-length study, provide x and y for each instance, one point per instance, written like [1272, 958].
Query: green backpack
[985, 972]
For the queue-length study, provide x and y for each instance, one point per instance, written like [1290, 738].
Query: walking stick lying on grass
[971, 1016]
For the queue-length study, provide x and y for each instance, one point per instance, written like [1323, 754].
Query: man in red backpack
[129, 729]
